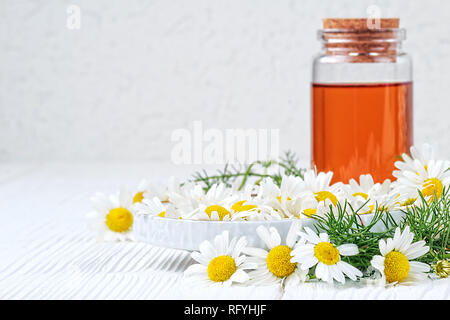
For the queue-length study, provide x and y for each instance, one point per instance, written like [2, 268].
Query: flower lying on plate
[274, 265]
[220, 262]
[214, 212]
[112, 218]
[147, 190]
[317, 250]
[395, 262]
[368, 195]
[155, 207]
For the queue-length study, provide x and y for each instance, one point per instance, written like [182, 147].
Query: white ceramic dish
[188, 234]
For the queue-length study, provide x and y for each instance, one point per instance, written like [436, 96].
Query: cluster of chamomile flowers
[303, 254]
[314, 194]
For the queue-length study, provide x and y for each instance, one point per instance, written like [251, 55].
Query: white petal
[378, 263]
[414, 278]
[417, 249]
[248, 266]
[292, 234]
[382, 246]
[195, 269]
[349, 249]
[240, 245]
[336, 273]
[265, 236]
[239, 276]
[208, 250]
[397, 235]
[349, 270]
[302, 257]
[417, 266]
[405, 240]
[310, 236]
[324, 237]
[197, 256]
[239, 260]
[302, 274]
[303, 249]
[275, 237]
[389, 245]
[256, 252]
[321, 271]
[221, 243]
[307, 263]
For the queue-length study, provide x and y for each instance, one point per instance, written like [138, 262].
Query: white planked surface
[47, 253]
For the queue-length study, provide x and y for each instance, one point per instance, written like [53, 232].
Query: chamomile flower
[182, 197]
[430, 180]
[221, 262]
[212, 205]
[319, 186]
[395, 263]
[284, 198]
[216, 195]
[308, 206]
[419, 159]
[243, 205]
[147, 190]
[155, 207]
[317, 250]
[273, 265]
[212, 212]
[258, 213]
[367, 195]
[112, 217]
[442, 268]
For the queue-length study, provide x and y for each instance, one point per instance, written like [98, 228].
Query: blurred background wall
[115, 89]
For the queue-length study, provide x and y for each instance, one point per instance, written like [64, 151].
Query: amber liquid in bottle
[361, 128]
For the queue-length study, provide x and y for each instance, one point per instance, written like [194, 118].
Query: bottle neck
[349, 45]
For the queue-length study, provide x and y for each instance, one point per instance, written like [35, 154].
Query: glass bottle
[361, 99]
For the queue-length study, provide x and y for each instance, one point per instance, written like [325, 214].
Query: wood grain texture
[47, 253]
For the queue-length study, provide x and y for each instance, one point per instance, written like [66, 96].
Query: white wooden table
[46, 251]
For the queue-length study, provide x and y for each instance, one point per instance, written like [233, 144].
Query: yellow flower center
[239, 206]
[442, 268]
[324, 195]
[279, 261]
[310, 212]
[361, 194]
[221, 268]
[432, 186]
[221, 211]
[138, 197]
[162, 214]
[119, 219]
[396, 266]
[326, 253]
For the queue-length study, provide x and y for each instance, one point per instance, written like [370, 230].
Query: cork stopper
[359, 23]
[361, 39]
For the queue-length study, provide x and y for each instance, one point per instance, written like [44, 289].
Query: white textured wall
[136, 70]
